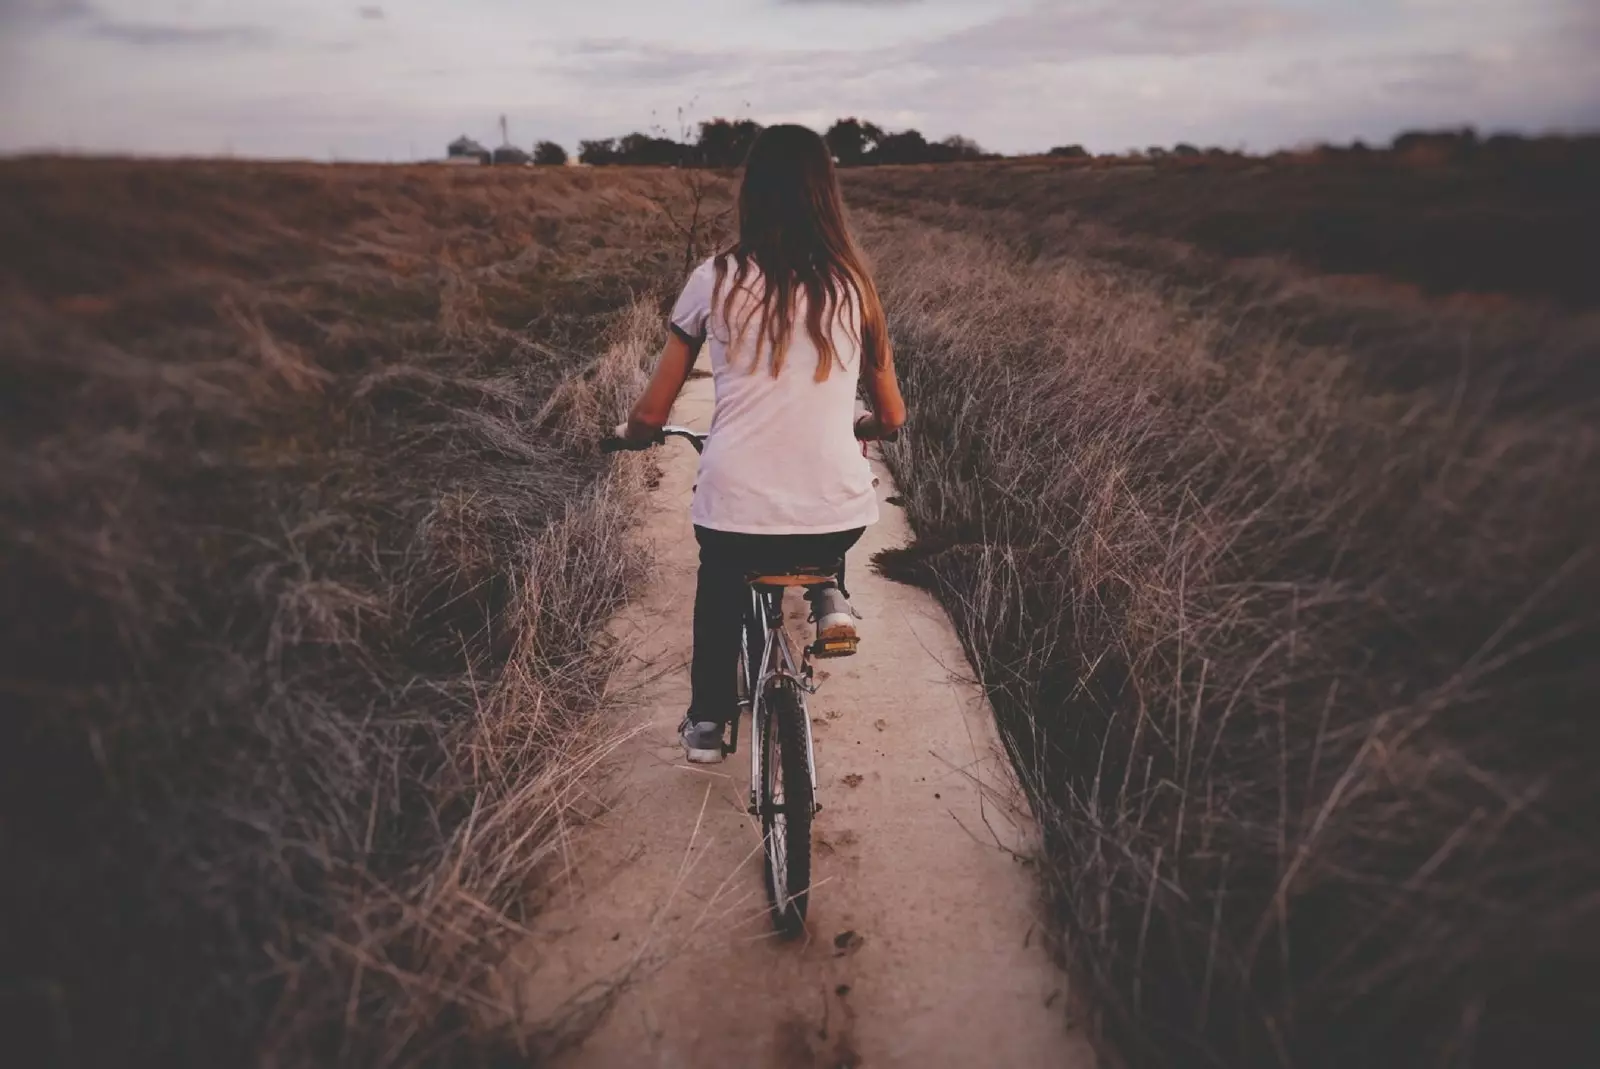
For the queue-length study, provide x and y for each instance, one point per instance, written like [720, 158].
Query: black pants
[719, 600]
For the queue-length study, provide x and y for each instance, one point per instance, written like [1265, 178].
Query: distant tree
[636, 148]
[852, 141]
[1071, 152]
[1185, 149]
[550, 154]
[907, 146]
[955, 147]
[725, 143]
[647, 150]
[598, 153]
[1156, 152]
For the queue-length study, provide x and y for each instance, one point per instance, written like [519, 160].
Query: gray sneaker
[836, 622]
[702, 742]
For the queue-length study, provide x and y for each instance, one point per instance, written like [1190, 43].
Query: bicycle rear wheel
[786, 806]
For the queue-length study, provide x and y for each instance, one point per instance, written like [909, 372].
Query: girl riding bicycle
[794, 325]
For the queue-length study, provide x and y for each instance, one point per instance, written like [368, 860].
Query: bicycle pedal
[835, 647]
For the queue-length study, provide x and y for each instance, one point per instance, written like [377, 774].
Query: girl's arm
[651, 411]
[888, 413]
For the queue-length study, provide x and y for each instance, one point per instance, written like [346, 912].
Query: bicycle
[772, 687]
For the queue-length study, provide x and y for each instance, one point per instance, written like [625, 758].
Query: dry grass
[1284, 588]
[308, 545]
[1296, 661]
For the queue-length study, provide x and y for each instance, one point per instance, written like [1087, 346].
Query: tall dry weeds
[307, 546]
[1298, 672]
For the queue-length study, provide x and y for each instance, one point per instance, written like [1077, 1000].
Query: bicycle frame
[765, 615]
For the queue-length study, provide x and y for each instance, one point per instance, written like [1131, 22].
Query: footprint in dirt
[830, 844]
[827, 1043]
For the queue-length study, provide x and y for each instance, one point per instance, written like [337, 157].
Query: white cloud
[1092, 29]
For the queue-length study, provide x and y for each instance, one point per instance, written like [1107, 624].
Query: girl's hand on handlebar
[868, 428]
[619, 440]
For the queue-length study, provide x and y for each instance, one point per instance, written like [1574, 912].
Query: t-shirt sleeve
[689, 315]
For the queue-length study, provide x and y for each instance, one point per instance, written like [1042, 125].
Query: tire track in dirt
[924, 946]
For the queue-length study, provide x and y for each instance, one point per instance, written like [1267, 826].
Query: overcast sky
[397, 79]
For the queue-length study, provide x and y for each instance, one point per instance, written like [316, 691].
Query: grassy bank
[1294, 658]
[307, 544]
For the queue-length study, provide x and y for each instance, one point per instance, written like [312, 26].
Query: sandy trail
[924, 945]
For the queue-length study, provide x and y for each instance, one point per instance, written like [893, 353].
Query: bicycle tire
[786, 831]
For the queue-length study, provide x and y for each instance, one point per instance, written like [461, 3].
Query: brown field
[1262, 499]
[307, 547]
[1522, 222]
[1284, 587]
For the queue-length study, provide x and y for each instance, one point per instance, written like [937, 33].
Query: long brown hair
[792, 227]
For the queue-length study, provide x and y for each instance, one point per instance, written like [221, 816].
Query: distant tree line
[721, 143]
[724, 143]
[464, 149]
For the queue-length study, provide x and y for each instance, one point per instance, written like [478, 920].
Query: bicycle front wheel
[786, 806]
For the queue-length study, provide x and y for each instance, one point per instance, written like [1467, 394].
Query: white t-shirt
[782, 457]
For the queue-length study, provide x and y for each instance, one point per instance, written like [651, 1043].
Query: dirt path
[924, 948]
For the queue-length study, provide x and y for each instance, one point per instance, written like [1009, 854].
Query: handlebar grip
[612, 444]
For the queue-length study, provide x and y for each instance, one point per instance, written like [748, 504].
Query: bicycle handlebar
[613, 444]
